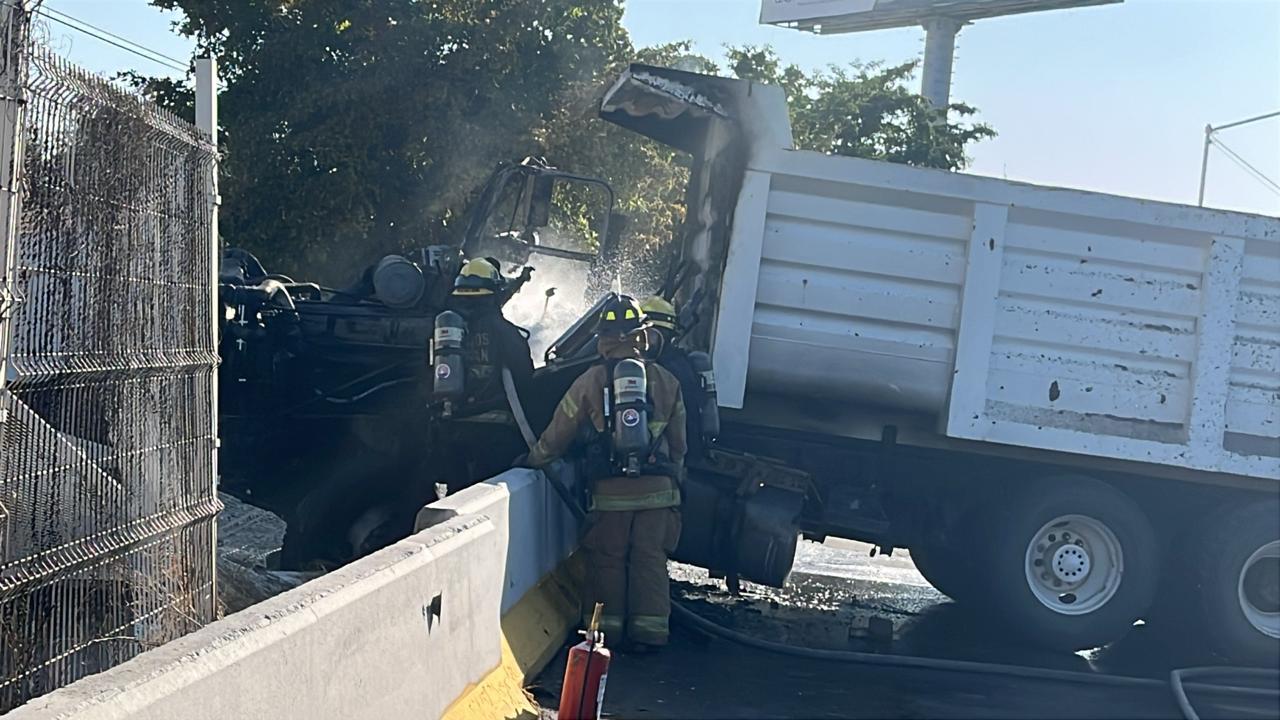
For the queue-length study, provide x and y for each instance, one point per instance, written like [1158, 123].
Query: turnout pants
[626, 553]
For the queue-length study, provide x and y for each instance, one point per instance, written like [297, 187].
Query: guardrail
[405, 632]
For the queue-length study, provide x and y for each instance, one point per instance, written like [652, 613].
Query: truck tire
[948, 572]
[1072, 563]
[1234, 573]
[950, 562]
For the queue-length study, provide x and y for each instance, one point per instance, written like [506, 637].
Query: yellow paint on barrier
[533, 631]
[500, 694]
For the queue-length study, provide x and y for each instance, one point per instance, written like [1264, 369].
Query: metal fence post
[14, 25]
[207, 122]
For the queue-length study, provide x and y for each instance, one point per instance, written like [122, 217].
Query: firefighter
[478, 433]
[676, 360]
[632, 413]
[491, 342]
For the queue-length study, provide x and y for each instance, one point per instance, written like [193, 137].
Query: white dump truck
[1065, 404]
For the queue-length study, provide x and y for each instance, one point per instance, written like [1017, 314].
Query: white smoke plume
[552, 300]
[557, 295]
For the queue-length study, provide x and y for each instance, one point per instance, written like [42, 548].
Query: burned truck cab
[319, 388]
[327, 401]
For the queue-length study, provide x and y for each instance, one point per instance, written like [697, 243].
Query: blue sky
[1112, 98]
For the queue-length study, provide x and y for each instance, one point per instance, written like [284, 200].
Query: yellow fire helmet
[660, 312]
[477, 277]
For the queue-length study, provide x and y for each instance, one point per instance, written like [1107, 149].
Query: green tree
[649, 177]
[354, 127]
[865, 110]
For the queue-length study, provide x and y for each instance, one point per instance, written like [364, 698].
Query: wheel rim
[1074, 564]
[1259, 589]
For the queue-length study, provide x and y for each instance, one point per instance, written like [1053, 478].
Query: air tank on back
[631, 438]
[449, 385]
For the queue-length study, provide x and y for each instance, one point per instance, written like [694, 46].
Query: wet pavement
[840, 598]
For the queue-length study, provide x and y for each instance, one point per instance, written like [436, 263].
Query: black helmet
[621, 316]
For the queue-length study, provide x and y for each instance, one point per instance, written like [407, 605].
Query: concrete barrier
[412, 631]
[538, 531]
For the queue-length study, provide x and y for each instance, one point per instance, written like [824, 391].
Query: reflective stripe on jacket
[584, 403]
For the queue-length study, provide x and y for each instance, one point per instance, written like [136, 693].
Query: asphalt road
[840, 598]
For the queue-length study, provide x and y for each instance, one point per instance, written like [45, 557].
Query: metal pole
[207, 121]
[1204, 162]
[1249, 120]
[939, 53]
[1209, 130]
[14, 27]
[207, 98]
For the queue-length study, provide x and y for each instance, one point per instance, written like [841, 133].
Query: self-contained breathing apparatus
[628, 419]
[661, 312]
[709, 417]
[478, 278]
[627, 446]
[448, 368]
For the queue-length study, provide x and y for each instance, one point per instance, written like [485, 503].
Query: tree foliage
[649, 177]
[352, 128]
[865, 110]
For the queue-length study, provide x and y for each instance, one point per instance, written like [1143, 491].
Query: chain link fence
[107, 415]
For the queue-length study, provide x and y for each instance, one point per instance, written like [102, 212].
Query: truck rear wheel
[1235, 583]
[950, 562]
[946, 571]
[1072, 563]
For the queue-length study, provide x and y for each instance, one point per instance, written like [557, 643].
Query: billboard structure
[941, 19]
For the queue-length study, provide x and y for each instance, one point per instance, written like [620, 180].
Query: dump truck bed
[1015, 314]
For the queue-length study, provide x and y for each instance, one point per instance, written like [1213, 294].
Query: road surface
[841, 598]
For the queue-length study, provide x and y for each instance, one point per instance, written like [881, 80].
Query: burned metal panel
[721, 122]
[670, 106]
[106, 456]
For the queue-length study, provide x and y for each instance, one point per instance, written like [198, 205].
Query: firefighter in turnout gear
[626, 417]
[693, 370]
[472, 346]
[490, 342]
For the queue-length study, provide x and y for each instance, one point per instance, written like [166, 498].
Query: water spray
[546, 304]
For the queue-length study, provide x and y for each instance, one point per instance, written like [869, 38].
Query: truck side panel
[1015, 314]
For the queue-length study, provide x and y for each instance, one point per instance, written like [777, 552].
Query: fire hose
[968, 666]
[522, 422]
[1179, 680]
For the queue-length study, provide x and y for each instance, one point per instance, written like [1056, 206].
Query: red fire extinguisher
[582, 695]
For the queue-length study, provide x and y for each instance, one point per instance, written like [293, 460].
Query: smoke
[560, 291]
[553, 299]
